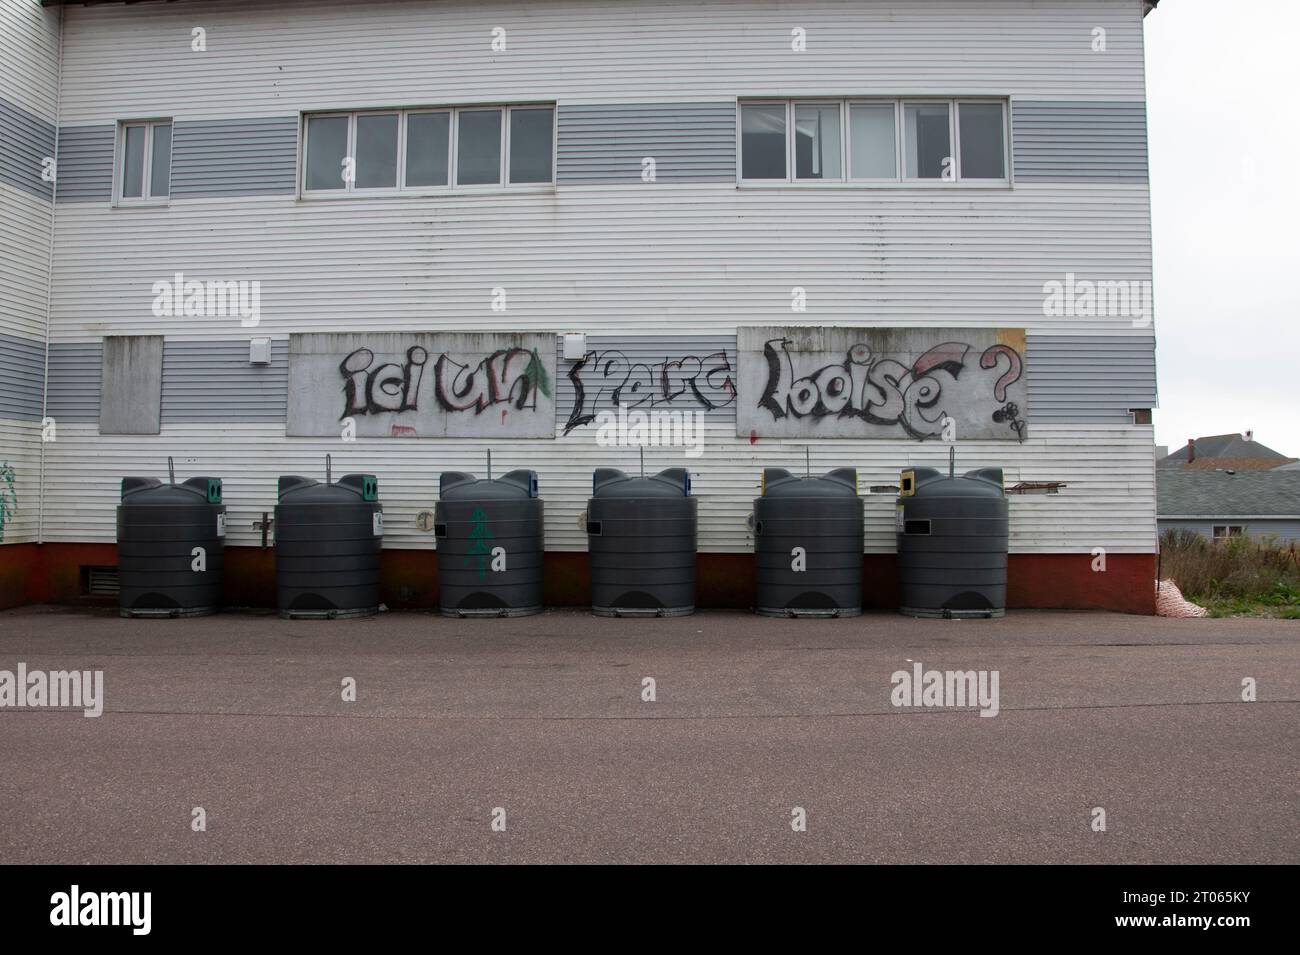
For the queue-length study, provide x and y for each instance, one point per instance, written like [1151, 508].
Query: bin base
[492, 612]
[811, 614]
[933, 614]
[643, 611]
[328, 614]
[162, 613]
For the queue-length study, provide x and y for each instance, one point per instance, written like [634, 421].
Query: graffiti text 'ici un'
[884, 391]
[422, 384]
[512, 377]
[608, 380]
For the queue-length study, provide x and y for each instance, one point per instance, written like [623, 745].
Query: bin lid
[611, 482]
[147, 490]
[349, 488]
[458, 485]
[839, 482]
[981, 482]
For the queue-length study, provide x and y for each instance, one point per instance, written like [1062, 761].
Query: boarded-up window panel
[131, 385]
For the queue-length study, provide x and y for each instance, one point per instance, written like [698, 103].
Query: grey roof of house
[1220, 446]
[1274, 493]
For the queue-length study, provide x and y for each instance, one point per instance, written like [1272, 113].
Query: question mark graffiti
[990, 359]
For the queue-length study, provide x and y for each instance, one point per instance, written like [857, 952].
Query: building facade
[1263, 505]
[730, 234]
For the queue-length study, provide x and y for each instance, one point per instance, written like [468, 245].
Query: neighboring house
[1221, 504]
[870, 229]
[1237, 452]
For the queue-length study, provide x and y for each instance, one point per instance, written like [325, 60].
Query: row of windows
[872, 141]
[800, 141]
[429, 149]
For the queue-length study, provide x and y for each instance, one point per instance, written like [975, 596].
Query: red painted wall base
[21, 577]
[52, 573]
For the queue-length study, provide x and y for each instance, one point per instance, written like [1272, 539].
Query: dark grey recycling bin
[641, 535]
[490, 542]
[328, 538]
[169, 547]
[808, 544]
[952, 543]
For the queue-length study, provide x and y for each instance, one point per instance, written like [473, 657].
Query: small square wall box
[575, 346]
[259, 351]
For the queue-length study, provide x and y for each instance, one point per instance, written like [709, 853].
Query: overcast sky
[1222, 81]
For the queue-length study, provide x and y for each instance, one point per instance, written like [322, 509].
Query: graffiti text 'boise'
[883, 391]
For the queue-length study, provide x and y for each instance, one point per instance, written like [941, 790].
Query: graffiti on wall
[609, 380]
[512, 377]
[472, 384]
[882, 382]
[8, 497]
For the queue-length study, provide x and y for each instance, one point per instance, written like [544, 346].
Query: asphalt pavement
[534, 740]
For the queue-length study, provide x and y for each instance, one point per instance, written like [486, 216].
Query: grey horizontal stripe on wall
[85, 164]
[74, 382]
[235, 157]
[22, 377]
[1086, 379]
[26, 141]
[213, 381]
[1079, 142]
[1089, 379]
[689, 142]
[660, 372]
[202, 381]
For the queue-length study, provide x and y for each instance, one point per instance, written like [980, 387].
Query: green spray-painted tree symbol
[8, 496]
[537, 374]
[480, 540]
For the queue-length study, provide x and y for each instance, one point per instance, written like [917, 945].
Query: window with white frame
[420, 150]
[873, 141]
[144, 160]
[1224, 531]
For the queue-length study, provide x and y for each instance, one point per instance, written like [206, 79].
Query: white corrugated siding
[1110, 500]
[265, 58]
[615, 259]
[24, 262]
[29, 54]
[28, 81]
